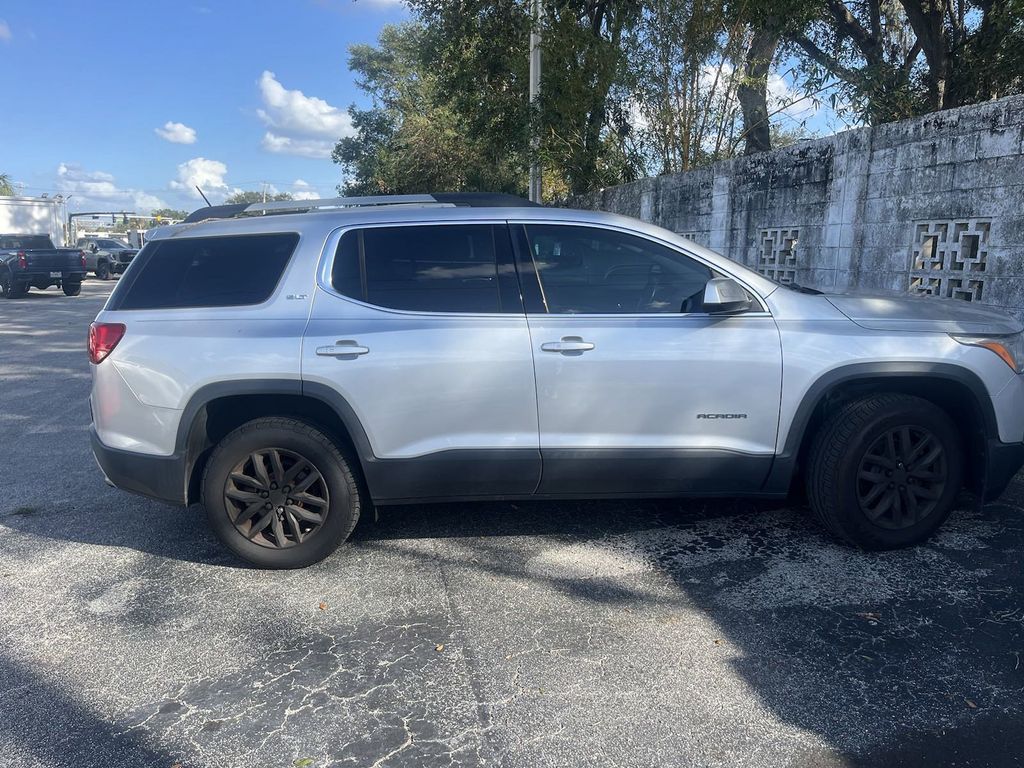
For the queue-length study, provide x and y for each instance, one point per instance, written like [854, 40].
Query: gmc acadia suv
[288, 364]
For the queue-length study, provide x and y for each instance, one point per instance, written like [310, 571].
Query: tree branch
[828, 62]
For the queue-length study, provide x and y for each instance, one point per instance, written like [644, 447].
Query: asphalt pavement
[676, 633]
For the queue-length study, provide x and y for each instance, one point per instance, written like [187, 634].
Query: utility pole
[264, 191]
[535, 169]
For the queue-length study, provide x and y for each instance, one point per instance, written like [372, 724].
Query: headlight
[1009, 348]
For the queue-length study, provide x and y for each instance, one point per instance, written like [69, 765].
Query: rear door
[640, 391]
[419, 329]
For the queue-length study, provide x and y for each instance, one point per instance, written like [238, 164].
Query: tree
[256, 197]
[171, 214]
[412, 138]
[6, 187]
[682, 80]
[635, 87]
[898, 59]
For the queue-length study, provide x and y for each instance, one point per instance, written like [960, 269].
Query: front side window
[457, 268]
[206, 272]
[586, 270]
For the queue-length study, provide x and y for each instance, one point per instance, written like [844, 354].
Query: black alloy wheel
[902, 477]
[884, 470]
[276, 498]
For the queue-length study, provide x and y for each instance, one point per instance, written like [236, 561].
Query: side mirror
[93, 247]
[723, 295]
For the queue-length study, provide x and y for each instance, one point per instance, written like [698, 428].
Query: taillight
[82, 254]
[22, 260]
[103, 337]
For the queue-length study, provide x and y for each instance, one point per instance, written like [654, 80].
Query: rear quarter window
[448, 268]
[230, 271]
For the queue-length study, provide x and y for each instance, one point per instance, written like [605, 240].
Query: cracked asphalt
[681, 633]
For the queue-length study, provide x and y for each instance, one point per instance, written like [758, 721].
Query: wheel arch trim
[191, 420]
[785, 461]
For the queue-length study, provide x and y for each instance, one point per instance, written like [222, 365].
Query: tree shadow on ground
[56, 730]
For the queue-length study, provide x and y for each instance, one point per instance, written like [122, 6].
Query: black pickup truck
[31, 261]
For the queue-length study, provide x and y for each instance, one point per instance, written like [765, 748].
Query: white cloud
[303, 190]
[792, 102]
[206, 174]
[5, 32]
[99, 189]
[285, 145]
[177, 133]
[298, 124]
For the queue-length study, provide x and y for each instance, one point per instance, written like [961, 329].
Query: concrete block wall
[932, 205]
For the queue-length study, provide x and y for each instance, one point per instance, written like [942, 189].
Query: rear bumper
[158, 477]
[1004, 461]
[42, 276]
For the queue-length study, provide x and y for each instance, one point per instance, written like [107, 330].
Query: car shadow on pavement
[913, 657]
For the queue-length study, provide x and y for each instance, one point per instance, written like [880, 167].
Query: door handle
[342, 348]
[567, 344]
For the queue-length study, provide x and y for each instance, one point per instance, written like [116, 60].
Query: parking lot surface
[683, 633]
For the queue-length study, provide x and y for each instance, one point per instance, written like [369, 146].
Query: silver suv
[288, 364]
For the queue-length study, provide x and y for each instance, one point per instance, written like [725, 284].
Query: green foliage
[637, 87]
[413, 138]
[172, 214]
[251, 196]
[6, 187]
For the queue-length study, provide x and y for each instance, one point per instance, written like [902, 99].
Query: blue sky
[125, 105]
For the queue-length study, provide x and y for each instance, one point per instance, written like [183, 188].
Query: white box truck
[35, 216]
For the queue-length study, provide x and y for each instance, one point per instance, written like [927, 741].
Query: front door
[419, 329]
[640, 391]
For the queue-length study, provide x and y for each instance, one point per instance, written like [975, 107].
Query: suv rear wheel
[103, 270]
[279, 493]
[71, 288]
[885, 471]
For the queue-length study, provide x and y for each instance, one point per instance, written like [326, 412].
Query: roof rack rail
[444, 199]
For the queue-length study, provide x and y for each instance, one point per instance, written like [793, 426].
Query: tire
[72, 289]
[867, 480]
[257, 536]
[103, 270]
[11, 289]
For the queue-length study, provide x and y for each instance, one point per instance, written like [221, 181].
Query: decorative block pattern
[949, 258]
[776, 254]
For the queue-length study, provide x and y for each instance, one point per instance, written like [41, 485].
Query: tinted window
[206, 272]
[600, 271]
[25, 242]
[441, 268]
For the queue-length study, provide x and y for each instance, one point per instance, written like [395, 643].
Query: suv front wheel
[885, 471]
[279, 493]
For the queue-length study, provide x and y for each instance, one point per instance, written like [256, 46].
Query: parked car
[106, 256]
[31, 261]
[290, 370]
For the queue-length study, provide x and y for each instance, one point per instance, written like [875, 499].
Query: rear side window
[206, 272]
[460, 268]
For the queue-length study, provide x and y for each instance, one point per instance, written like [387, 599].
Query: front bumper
[1004, 461]
[158, 477]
